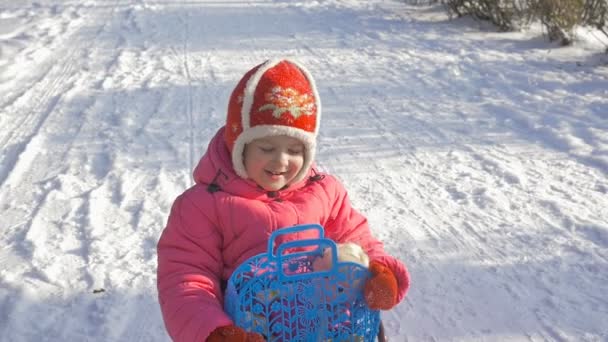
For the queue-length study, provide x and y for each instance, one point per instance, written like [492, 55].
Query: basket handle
[292, 230]
[320, 244]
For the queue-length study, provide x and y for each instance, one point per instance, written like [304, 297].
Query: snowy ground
[480, 158]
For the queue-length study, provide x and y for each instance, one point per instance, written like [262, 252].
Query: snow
[479, 157]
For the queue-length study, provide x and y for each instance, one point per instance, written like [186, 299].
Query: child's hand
[231, 333]
[381, 289]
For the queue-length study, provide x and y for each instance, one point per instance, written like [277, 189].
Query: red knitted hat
[277, 97]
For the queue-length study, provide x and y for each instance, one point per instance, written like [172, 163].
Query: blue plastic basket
[280, 296]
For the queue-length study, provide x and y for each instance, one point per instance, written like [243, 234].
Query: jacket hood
[215, 171]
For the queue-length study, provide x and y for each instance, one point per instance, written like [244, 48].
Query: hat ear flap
[234, 120]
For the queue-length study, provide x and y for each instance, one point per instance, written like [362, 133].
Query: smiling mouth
[272, 173]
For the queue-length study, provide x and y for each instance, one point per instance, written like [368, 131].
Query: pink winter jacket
[223, 220]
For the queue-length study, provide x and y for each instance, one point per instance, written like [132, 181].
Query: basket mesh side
[319, 308]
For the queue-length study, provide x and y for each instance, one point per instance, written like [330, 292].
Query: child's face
[272, 162]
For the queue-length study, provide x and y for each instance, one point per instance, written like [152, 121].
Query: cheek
[297, 162]
[255, 165]
[251, 161]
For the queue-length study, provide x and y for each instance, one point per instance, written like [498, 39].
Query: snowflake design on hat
[282, 100]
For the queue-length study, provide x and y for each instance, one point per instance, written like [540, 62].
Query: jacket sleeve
[189, 273]
[346, 224]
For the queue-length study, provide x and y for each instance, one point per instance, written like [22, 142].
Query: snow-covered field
[480, 158]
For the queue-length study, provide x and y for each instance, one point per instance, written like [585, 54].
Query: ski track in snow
[480, 159]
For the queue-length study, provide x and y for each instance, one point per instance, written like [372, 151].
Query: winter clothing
[382, 289]
[277, 97]
[225, 218]
[231, 333]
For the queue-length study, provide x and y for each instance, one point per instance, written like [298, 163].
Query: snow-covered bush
[502, 13]
[559, 17]
[595, 14]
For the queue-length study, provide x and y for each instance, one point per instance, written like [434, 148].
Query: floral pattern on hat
[288, 100]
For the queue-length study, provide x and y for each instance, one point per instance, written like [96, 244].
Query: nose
[281, 158]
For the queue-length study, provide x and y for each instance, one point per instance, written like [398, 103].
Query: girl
[258, 176]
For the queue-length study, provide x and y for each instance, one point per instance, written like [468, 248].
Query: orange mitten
[381, 289]
[231, 333]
